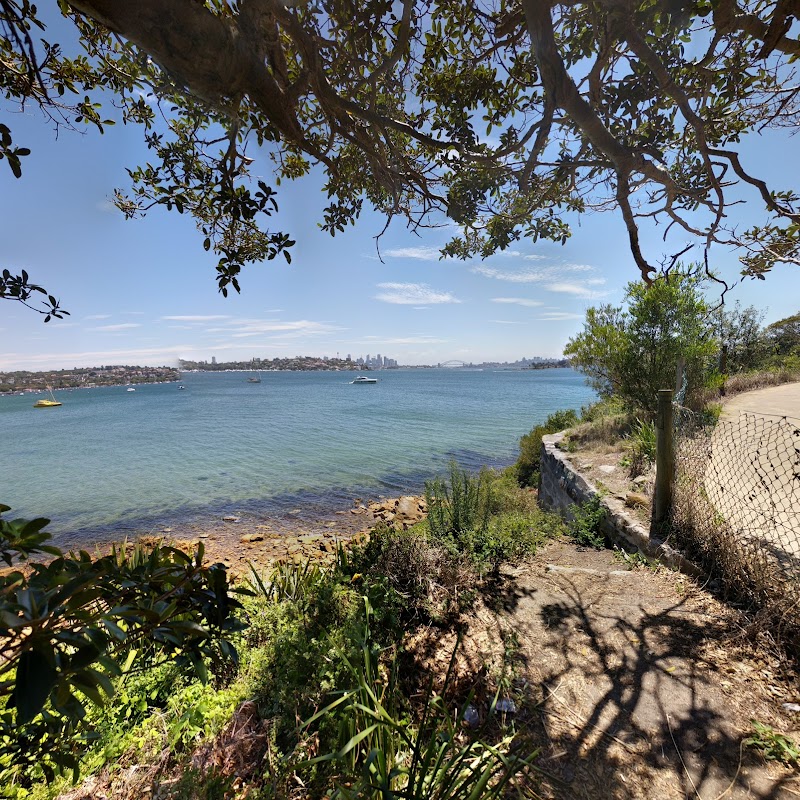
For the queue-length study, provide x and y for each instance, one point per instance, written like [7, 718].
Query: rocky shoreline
[240, 541]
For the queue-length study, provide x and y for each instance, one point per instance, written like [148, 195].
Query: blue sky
[143, 292]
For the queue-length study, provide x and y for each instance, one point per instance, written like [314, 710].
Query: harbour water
[109, 461]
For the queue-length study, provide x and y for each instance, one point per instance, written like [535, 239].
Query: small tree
[633, 350]
[740, 334]
[784, 336]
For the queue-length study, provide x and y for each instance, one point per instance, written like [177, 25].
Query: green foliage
[458, 510]
[783, 336]
[20, 288]
[530, 445]
[641, 446]
[487, 518]
[603, 408]
[69, 627]
[631, 352]
[292, 643]
[585, 525]
[635, 559]
[381, 752]
[515, 535]
[773, 746]
[449, 108]
[742, 343]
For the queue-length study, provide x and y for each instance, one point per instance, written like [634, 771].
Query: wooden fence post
[665, 460]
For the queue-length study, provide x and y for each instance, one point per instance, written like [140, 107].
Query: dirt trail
[635, 684]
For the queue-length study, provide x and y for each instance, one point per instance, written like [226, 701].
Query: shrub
[505, 493]
[631, 351]
[459, 509]
[385, 750]
[69, 627]
[410, 579]
[513, 535]
[641, 446]
[530, 445]
[586, 523]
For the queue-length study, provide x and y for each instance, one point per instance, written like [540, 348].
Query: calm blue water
[110, 460]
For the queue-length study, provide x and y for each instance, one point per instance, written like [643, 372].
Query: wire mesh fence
[737, 505]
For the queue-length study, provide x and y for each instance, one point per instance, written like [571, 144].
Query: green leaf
[36, 678]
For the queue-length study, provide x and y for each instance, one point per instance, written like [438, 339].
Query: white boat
[364, 379]
[130, 389]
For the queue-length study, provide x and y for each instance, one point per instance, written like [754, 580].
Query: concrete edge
[561, 485]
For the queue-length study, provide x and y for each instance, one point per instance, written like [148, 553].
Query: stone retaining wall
[562, 485]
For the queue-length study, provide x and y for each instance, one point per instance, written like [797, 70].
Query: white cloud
[532, 275]
[575, 289]
[91, 358]
[245, 328]
[122, 326]
[414, 340]
[553, 316]
[98, 316]
[413, 294]
[195, 317]
[421, 253]
[519, 301]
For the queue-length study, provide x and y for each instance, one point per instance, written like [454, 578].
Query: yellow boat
[45, 403]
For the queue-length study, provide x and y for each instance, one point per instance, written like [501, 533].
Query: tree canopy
[507, 115]
[632, 351]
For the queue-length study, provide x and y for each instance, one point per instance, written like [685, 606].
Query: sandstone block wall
[562, 485]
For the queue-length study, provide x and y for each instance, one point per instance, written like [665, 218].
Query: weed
[459, 510]
[586, 524]
[383, 751]
[194, 785]
[774, 746]
[530, 445]
[635, 559]
[641, 446]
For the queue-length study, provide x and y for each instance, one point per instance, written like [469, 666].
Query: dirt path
[635, 684]
[780, 401]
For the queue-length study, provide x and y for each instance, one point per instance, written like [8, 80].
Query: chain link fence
[736, 507]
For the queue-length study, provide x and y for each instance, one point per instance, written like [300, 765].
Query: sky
[144, 291]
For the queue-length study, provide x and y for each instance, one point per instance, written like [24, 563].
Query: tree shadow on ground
[629, 706]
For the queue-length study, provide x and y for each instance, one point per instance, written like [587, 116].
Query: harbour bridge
[453, 363]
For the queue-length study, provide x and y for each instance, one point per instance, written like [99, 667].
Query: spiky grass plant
[381, 752]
